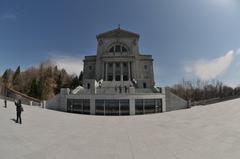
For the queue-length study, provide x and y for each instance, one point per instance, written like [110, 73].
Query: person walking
[19, 110]
[5, 102]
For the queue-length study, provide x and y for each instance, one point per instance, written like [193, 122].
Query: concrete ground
[203, 132]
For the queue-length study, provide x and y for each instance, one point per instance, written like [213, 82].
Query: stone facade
[118, 59]
[118, 80]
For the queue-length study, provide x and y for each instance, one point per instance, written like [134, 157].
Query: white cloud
[238, 52]
[72, 64]
[224, 3]
[210, 69]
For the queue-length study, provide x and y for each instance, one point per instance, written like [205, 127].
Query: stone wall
[14, 95]
[174, 102]
[54, 103]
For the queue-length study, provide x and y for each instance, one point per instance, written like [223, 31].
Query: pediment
[117, 33]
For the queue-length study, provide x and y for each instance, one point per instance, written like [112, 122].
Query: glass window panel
[138, 106]
[86, 106]
[69, 105]
[99, 103]
[144, 85]
[117, 77]
[158, 105]
[117, 48]
[77, 105]
[124, 49]
[112, 49]
[125, 77]
[111, 107]
[149, 106]
[124, 107]
[110, 77]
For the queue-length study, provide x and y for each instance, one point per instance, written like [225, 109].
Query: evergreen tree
[17, 80]
[55, 73]
[59, 82]
[41, 82]
[6, 78]
[34, 89]
[81, 78]
[75, 82]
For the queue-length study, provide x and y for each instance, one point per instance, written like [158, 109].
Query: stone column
[92, 106]
[132, 106]
[119, 108]
[103, 71]
[164, 104]
[106, 71]
[121, 71]
[114, 65]
[129, 75]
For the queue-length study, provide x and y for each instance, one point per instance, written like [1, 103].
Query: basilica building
[118, 80]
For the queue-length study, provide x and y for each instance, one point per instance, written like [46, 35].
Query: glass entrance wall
[147, 106]
[124, 107]
[86, 106]
[112, 107]
[158, 105]
[99, 104]
[69, 106]
[139, 106]
[78, 106]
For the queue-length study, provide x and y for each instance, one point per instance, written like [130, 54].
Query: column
[129, 75]
[119, 108]
[92, 106]
[164, 104]
[114, 65]
[104, 108]
[143, 106]
[106, 71]
[132, 106]
[121, 71]
[103, 71]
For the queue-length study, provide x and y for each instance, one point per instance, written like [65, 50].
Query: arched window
[118, 48]
[124, 49]
[112, 49]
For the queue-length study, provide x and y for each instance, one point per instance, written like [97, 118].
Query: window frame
[123, 48]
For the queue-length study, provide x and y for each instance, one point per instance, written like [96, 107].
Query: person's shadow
[13, 120]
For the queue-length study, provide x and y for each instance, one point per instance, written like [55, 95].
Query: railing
[24, 101]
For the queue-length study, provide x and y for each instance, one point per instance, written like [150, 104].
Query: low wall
[53, 103]
[214, 100]
[24, 101]
[173, 102]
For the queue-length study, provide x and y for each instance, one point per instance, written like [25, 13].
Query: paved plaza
[201, 132]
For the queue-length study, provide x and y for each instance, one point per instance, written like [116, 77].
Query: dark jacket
[18, 107]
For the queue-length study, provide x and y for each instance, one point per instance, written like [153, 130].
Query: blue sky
[188, 39]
